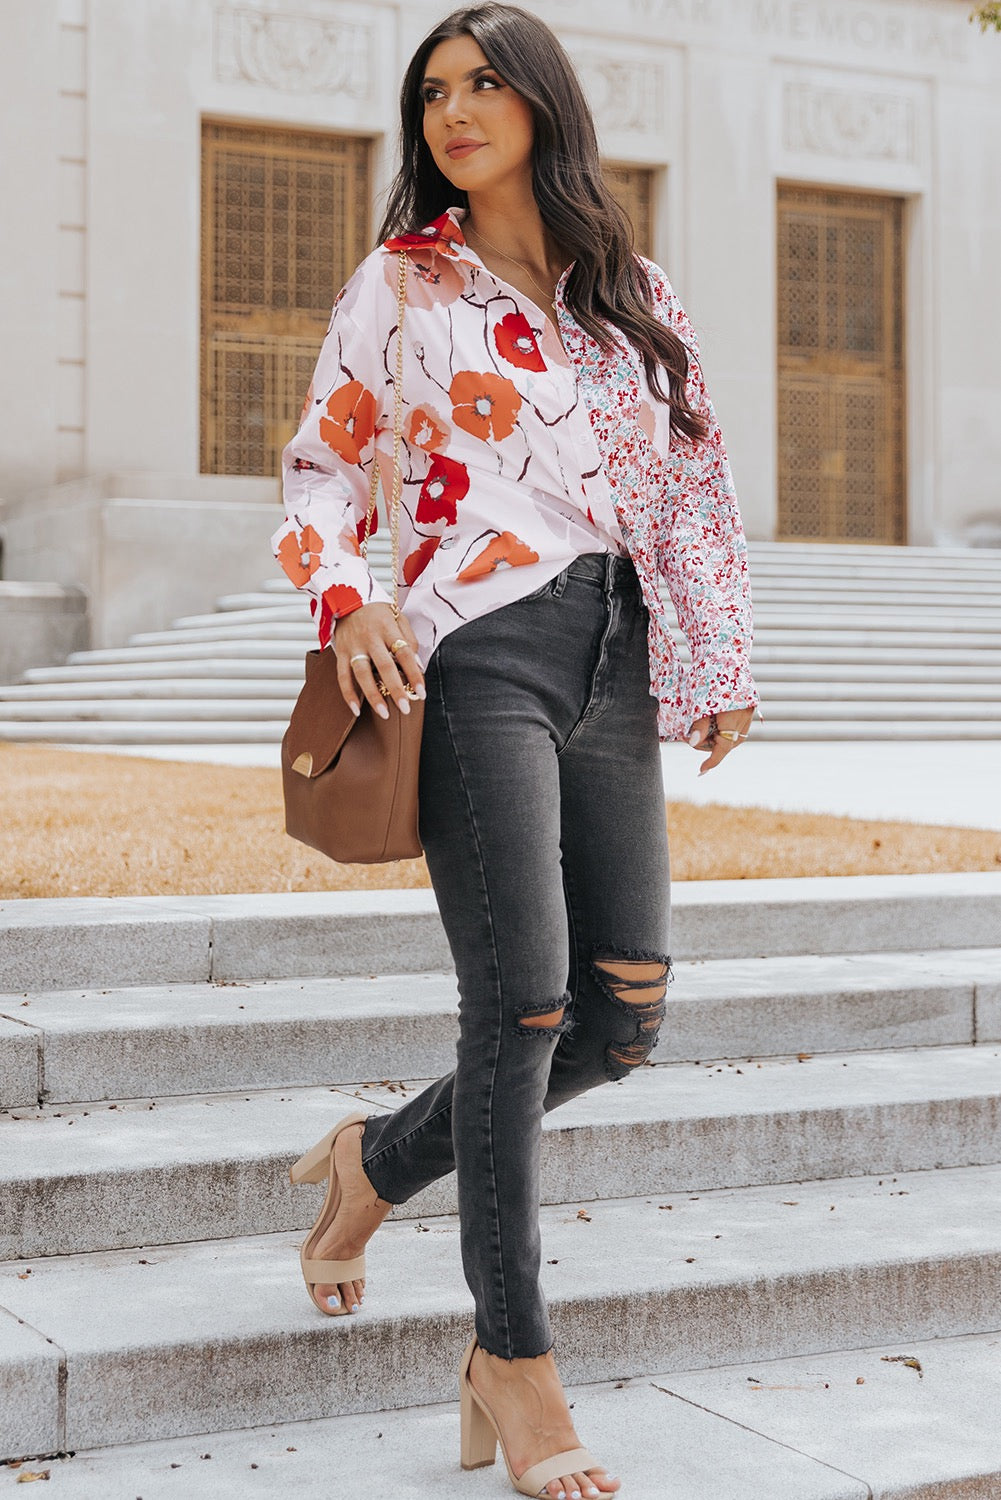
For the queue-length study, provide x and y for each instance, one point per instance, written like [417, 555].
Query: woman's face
[477, 128]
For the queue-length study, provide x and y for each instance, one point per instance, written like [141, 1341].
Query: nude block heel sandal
[314, 1166]
[479, 1438]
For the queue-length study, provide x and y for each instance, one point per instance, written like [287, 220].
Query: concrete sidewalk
[922, 781]
[954, 783]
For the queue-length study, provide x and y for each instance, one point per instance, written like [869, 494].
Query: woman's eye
[431, 92]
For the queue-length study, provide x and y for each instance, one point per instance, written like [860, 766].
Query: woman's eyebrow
[483, 68]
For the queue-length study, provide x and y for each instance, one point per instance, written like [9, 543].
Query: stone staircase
[772, 1254]
[850, 643]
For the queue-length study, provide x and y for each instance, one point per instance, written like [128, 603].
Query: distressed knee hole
[638, 985]
[551, 1018]
[550, 1022]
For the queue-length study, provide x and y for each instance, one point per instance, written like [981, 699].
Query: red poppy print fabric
[515, 342]
[446, 484]
[522, 449]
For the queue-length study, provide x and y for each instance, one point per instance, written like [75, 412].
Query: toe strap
[326, 1272]
[538, 1476]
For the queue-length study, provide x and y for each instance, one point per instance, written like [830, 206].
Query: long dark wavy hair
[608, 283]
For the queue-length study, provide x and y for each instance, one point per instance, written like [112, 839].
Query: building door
[285, 220]
[840, 366]
[633, 187]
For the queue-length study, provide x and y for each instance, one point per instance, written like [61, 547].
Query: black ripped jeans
[542, 816]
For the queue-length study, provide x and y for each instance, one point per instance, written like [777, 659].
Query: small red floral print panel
[522, 448]
[446, 484]
[515, 342]
[299, 554]
[350, 421]
[505, 548]
[485, 405]
[339, 599]
[414, 565]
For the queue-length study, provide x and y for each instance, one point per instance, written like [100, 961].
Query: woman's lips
[466, 150]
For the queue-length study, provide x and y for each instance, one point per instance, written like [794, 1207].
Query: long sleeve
[326, 468]
[704, 556]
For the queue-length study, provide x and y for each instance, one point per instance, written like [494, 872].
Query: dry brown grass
[109, 825]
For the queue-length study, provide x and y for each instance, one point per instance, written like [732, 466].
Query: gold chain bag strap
[350, 784]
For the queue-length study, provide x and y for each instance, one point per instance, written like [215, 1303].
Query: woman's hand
[736, 720]
[367, 635]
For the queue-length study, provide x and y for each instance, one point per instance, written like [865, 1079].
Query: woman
[561, 460]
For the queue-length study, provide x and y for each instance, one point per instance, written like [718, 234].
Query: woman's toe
[329, 1295]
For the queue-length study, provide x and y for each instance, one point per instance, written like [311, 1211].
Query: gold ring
[731, 734]
[398, 645]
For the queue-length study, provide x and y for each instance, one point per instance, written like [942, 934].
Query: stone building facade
[185, 183]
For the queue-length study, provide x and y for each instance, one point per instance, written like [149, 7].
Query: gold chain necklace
[514, 260]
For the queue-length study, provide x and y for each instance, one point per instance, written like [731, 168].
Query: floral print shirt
[520, 452]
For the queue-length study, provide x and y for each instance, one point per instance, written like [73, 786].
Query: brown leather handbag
[350, 784]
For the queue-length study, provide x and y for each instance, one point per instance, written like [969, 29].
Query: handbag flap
[321, 720]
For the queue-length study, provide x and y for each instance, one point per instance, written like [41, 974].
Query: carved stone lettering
[625, 94]
[681, 12]
[866, 28]
[849, 122]
[301, 54]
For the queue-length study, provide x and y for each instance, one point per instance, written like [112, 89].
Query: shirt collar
[444, 237]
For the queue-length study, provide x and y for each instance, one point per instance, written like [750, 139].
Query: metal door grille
[840, 366]
[285, 220]
[633, 187]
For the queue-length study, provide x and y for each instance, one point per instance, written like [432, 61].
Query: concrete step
[905, 606]
[895, 728]
[871, 614]
[856, 708]
[863, 631]
[264, 649]
[267, 649]
[146, 731]
[60, 944]
[219, 733]
[263, 616]
[846, 696]
[986, 660]
[878, 555]
[221, 1334]
[783, 582]
[211, 701]
[231, 673]
[121, 708]
[930, 680]
[109, 1176]
[150, 1041]
[855, 1424]
[277, 630]
[97, 690]
[970, 638]
[214, 669]
[778, 570]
